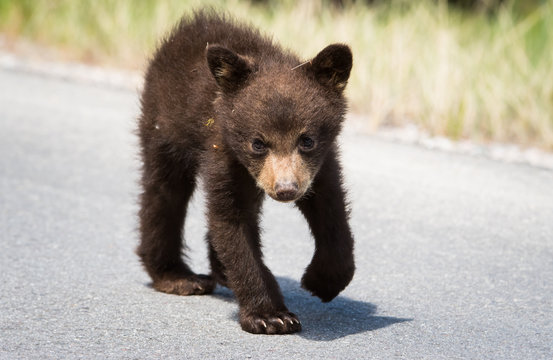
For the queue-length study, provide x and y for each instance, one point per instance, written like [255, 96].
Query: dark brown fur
[223, 102]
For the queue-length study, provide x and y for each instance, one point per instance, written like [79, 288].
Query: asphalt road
[454, 253]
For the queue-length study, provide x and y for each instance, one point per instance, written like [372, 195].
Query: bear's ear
[229, 69]
[332, 66]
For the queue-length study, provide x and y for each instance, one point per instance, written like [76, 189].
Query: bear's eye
[259, 146]
[306, 143]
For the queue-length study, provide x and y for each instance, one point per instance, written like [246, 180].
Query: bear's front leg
[233, 206]
[324, 207]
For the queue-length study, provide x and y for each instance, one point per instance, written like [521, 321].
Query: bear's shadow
[325, 322]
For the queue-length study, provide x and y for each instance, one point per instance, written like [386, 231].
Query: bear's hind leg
[167, 187]
[217, 268]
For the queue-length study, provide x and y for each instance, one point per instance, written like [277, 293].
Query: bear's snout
[286, 190]
[284, 178]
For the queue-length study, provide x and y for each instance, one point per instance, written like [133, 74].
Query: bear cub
[224, 103]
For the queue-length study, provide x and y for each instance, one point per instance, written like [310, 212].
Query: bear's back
[185, 46]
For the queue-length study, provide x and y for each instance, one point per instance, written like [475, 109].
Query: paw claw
[281, 322]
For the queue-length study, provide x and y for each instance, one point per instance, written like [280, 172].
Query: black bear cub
[226, 104]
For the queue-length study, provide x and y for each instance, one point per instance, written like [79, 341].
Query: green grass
[478, 75]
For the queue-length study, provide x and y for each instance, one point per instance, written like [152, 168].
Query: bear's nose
[286, 190]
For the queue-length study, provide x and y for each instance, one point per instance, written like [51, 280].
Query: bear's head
[280, 118]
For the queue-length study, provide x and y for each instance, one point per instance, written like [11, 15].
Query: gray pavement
[454, 253]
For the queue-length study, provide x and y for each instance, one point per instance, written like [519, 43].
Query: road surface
[454, 253]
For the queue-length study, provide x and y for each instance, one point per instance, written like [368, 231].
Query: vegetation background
[466, 69]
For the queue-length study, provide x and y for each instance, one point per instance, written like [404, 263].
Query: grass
[466, 75]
